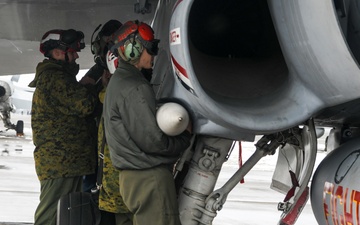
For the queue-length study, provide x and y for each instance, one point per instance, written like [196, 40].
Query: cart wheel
[19, 127]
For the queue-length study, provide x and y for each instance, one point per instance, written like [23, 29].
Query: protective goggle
[76, 46]
[72, 40]
[151, 46]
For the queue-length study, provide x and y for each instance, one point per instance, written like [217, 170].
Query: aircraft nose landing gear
[198, 203]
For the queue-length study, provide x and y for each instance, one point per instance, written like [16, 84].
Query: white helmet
[111, 61]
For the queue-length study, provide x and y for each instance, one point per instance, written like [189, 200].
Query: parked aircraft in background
[7, 107]
[241, 69]
[22, 94]
[18, 97]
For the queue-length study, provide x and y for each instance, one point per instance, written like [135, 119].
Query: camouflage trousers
[50, 193]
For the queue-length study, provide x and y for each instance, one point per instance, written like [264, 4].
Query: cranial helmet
[66, 40]
[132, 38]
[99, 46]
[112, 62]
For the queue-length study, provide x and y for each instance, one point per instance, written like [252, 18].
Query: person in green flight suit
[142, 153]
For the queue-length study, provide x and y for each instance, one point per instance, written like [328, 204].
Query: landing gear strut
[199, 203]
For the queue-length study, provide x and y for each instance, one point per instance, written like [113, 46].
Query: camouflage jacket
[60, 115]
[110, 199]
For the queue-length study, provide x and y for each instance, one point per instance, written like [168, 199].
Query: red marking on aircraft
[174, 36]
[339, 204]
[179, 67]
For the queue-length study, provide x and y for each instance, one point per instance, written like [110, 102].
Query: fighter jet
[275, 68]
[7, 107]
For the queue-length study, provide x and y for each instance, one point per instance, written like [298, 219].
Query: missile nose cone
[172, 118]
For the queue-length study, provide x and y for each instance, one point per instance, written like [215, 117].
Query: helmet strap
[132, 54]
[66, 57]
[92, 36]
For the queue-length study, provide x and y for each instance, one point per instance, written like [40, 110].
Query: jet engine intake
[5, 91]
[259, 67]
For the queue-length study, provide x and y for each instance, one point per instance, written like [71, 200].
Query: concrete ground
[251, 203]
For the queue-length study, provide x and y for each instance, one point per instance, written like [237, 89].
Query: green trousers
[50, 193]
[109, 218]
[150, 196]
[123, 219]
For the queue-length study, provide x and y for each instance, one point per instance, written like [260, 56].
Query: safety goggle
[77, 45]
[73, 40]
[152, 46]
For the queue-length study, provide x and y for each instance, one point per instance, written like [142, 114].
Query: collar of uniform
[129, 67]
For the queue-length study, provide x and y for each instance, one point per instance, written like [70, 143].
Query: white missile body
[172, 118]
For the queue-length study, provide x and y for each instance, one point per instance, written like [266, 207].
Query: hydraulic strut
[267, 145]
[198, 203]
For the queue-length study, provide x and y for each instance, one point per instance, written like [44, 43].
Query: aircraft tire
[20, 127]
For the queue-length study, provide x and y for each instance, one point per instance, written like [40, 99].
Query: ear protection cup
[95, 46]
[99, 45]
[95, 49]
[132, 49]
[99, 49]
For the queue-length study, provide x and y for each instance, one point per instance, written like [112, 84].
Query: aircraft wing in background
[25, 21]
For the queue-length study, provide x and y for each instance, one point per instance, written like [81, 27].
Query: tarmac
[4, 223]
[20, 188]
[251, 203]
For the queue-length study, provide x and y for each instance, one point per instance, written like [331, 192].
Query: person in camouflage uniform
[110, 199]
[93, 79]
[112, 208]
[64, 149]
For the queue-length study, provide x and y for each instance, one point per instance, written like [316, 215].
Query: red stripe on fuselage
[179, 67]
